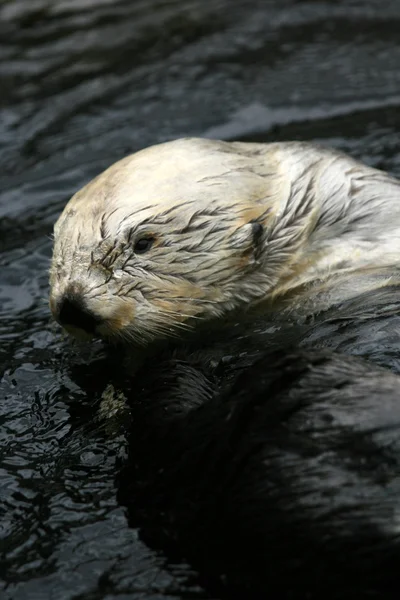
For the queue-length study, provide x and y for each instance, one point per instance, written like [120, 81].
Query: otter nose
[72, 310]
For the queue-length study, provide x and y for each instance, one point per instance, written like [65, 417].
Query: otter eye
[143, 244]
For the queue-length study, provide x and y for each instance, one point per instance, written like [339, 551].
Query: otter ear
[249, 238]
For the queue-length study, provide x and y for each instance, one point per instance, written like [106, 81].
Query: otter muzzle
[71, 312]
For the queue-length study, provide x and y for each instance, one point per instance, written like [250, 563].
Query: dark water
[82, 83]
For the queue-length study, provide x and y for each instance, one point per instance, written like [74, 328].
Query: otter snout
[72, 312]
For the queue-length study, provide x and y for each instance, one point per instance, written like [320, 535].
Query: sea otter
[287, 479]
[284, 486]
[192, 230]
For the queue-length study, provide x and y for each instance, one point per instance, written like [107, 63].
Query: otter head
[190, 230]
[167, 236]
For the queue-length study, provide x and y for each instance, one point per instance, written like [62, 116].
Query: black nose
[73, 311]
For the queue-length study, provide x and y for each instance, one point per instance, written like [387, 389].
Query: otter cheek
[117, 319]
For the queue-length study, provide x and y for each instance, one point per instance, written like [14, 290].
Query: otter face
[167, 236]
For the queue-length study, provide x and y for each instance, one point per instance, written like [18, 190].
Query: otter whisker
[181, 314]
[192, 300]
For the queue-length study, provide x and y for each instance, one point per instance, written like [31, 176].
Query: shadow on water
[82, 84]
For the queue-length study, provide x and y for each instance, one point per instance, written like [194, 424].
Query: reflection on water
[83, 83]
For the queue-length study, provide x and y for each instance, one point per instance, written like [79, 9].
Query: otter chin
[193, 230]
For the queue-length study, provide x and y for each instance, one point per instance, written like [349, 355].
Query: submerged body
[288, 482]
[194, 230]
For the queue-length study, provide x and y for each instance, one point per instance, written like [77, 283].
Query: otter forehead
[177, 179]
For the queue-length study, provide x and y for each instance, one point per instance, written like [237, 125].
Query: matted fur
[235, 225]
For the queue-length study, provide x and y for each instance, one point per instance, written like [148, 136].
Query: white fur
[325, 218]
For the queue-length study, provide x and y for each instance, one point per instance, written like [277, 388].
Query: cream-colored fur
[235, 225]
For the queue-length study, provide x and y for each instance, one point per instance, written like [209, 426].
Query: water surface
[83, 83]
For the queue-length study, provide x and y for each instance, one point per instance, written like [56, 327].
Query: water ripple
[83, 83]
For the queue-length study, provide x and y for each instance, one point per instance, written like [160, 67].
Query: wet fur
[236, 226]
[288, 482]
